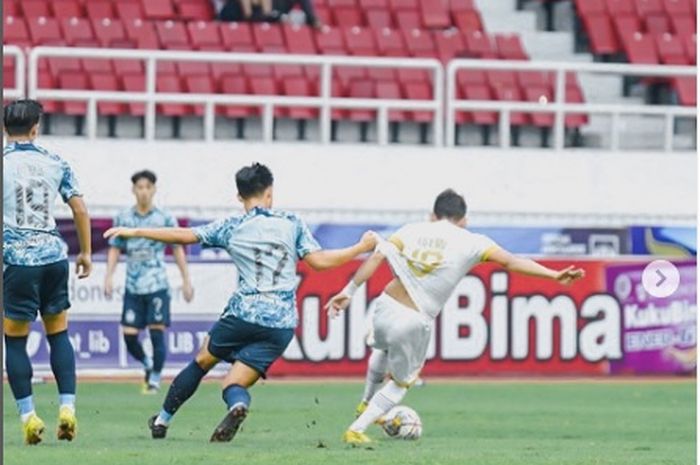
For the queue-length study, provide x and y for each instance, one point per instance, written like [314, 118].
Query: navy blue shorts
[28, 290]
[232, 339]
[141, 310]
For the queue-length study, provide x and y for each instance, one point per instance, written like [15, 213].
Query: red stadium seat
[347, 17]
[329, 41]
[690, 46]
[419, 91]
[142, 33]
[590, 7]
[535, 79]
[186, 69]
[540, 94]
[46, 81]
[360, 41]
[419, 43]
[601, 35]
[324, 15]
[382, 74]
[97, 10]
[341, 3]
[379, 19]
[11, 8]
[640, 48]
[657, 24]
[511, 93]
[408, 19]
[374, 4]
[200, 84]
[671, 51]
[346, 74]
[686, 90]
[268, 36]
[462, 5]
[626, 26]
[450, 44]
[479, 45]
[403, 5]
[299, 39]
[111, 33]
[171, 84]
[236, 85]
[468, 77]
[477, 92]
[435, 15]
[129, 10]
[237, 37]
[172, 34]
[501, 78]
[220, 71]
[391, 90]
[74, 80]
[678, 7]
[683, 25]
[299, 87]
[510, 47]
[107, 82]
[135, 83]
[97, 65]
[204, 35]
[407, 75]
[195, 10]
[15, 31]
[158, 9]
[8, 72]
[575, 120]
[63, 9]
[267, 86]
[390, 42]
[45, 31]
[617, 8]
[467, 21]
[78, 33]
[33, 9]
[364, 89]
[648, 7]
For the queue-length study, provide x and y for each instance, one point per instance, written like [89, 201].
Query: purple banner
[658, 334]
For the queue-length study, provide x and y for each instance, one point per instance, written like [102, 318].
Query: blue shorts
[141, 310]
[232, 339]
[28, 290]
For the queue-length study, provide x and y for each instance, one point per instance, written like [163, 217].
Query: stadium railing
[325, 101]
[20, 70]
[558, 106]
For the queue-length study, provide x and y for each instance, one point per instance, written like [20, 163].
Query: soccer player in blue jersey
[147, 294]
[35, 269]
[259, 320]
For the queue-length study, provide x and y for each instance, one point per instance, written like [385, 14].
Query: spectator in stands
[264, 10]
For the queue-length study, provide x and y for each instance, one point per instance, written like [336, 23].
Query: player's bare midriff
[396, 290]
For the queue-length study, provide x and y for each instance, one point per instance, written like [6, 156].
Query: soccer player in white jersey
[35, 268]
[428, 261]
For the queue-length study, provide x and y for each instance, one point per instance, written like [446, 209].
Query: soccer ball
[402, 422]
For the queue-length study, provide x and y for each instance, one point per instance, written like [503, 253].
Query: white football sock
[383, 401]
[376, 370]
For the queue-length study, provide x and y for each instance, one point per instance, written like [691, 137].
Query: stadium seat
[535, 79]
[237, 37]
[236, 85]
[268, 36]
[46, 81]
[657, 24]
[390, 42]
[618, 8]
[33, 9]
[690, 46]
[461, 5]
[98, 10]
[540, 94]
[361, 89]
[45, 31]
[683, 25]
[74, 80]
[419, 91]
[329, 41]
[347, 17]
[408, 19]
[379, 19]
[373, 4]
[435, 15]
[267, 86]
[299, 87]
[135, 83]
[686, 90]
[450, 44]
[574, 94]
[15, 31]
[204, 35]
[341, 3]
[477, 92]
[171, 84]
[346, 74]
[467, 21]
[299, 39]
[8, 72]
[172, 35]
[678, 7]
[601, 34]
[111, 33]
[590, 7]
[397, 5]
[64, 9]
[648, 8]
[199, 84]
[142, 33]
[392, 90]
[510, 47]
[360, 41]
[97, 65]
[128, 67]
[129, 10]
[479, 45]
[158, 9]
[640, 48]
[501, 78]
[77, 32]
[107, 82]
[467, 77]
[671, 51]
[511, 93]
[11, 8]
[196, 10]
[419, 43]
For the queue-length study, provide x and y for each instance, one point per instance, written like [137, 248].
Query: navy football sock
[236, 394]
[158, 342]
[182, 388]
[134, 347]
[62, 362]
[18, 366]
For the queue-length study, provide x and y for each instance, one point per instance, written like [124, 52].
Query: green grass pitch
[479, 423]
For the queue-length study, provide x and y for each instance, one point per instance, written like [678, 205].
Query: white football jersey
[431, 258]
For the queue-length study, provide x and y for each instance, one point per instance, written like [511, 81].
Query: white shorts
[404, 334]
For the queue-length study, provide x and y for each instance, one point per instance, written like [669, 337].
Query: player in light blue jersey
[259, 320]
[147, 293]
[35, 270]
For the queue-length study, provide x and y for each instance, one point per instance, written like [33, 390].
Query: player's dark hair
[450, 205]
[144, 174]
[20, 116]
[253, 180]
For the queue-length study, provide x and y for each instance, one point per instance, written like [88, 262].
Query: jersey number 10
[32, 204]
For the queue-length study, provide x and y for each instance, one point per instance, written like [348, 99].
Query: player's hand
[108, 287]
[369, 241]
[83, 265]
[124, 233]
[337, 304]
[187, 291]
[569, 274]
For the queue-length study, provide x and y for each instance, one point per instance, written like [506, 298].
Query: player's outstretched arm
[341, 301]
[81, 218]
[181, 261]
[112, 260]
[532, 268]
[326, 259]
[183, 236]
